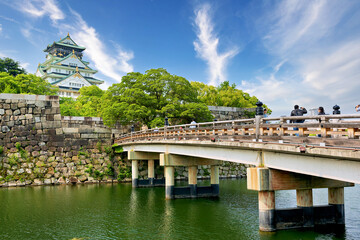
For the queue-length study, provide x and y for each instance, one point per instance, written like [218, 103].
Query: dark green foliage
[124, 172]
[89, 169]
[206, 171]
[110, 170]
[11, 67]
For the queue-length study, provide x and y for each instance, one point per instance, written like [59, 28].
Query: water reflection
[119, 212]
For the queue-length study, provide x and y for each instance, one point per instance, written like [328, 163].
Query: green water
[120, 212]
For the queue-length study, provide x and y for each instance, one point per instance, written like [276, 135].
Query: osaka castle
[65, 68]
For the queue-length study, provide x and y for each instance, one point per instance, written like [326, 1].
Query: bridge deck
[270, 142]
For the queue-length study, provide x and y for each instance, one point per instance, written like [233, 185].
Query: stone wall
[230, 113]
[39, 146]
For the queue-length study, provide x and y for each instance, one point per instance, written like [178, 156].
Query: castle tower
[65, 68]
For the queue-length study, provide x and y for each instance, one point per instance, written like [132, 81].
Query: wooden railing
[332, 129]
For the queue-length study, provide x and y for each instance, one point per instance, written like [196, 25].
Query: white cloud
[113, 67]
[0, 28]
[206, 46]
[40, 8]
[25, 65]
[320, 51]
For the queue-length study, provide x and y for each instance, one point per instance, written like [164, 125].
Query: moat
[117, 211]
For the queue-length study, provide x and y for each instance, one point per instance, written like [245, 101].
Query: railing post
[281, 129]
[258, 117]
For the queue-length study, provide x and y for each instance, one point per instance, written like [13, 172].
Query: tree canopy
[11, 67]
[225, 95]
[148, 98]
[25, 84]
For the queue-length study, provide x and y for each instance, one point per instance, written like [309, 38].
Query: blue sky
[283, 52]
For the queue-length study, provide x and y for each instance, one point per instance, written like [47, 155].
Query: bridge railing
[316, 128]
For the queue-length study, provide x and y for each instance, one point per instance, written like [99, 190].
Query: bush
[124, 172]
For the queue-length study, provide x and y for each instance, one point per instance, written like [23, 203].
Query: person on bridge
[298, 112]
[321, 111]
[357, 108]
[193, 124]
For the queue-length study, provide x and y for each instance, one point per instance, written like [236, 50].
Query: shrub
[124, 172]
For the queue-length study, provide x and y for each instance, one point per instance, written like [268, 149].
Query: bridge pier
[192, 177]
[134, 173]
[169, 161]
[169, 182]
[336, 199]
[267, 181]
[304, 200]
[150, 158]
[214, 178]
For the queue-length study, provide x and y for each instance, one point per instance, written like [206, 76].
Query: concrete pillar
[267, 211]
[336, 198]
[151, 173]
[215, 180]
[134, 173]
[169, 182]
[192, 172]
[304, 200]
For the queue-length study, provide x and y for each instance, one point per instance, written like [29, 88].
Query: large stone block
[16, 112]
[89, 135]
[70, 130]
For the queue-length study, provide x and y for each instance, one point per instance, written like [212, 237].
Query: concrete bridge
[322, 152]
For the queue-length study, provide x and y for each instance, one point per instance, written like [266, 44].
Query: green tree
[25, 84]
[90, 101]
[225, 95]
[148, 98]
[69, 107]
[11, 67]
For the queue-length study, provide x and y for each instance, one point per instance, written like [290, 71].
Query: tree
[25, 84]
[69, 107]
[11, 67]
[148, 98]
[90, 101]
[225, 95]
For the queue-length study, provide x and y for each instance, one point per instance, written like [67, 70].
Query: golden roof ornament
[77, 69]
[68, 34]
[73, 51]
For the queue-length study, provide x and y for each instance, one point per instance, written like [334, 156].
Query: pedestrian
[298, 112]
[265, 113]
[321, 111]
[357, 108]
[193, 124]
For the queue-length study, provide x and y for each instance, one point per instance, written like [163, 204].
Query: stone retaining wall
[39, 146]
